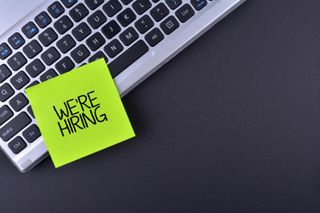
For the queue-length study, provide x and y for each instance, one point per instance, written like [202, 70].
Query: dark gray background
[230, 125]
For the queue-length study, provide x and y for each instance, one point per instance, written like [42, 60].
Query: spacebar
[128, 57]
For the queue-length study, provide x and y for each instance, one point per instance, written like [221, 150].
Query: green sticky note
[79, 113]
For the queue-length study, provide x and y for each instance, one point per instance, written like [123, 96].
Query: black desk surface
[230, 125]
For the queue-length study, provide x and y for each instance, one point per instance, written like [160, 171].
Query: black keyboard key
[79, 12]
[112, 7]
[199, 4]
[173, 4]
[129, 36]
[48, 75]
[4, 73]
[20, 80]
[126, 1]
[159, 12]
[169, 25]
[14, 126]
[93, 4]
[97, 56]
[113, 48]
[30, 29]
[141, 6]
[16, 41]
[29, 109]
[47, 37]
[33, 83]
[5, 92]
[31, 133]
[64, 65]
[80, 53]
[111, 29]
[95, 41]
[154, 37]
[43, 19]
[69, 3]
[17, 61]
[55, 9]
[128, 57]
[184, 13]
[63, 24]
[81, 31]
[50, 56]
[18, 102]
[66, 43]
[97, 19]
[144, 24]
[5, 114]
[17, 145]
[5, 51]
[32, 49]
[35, 68]
[126, 17]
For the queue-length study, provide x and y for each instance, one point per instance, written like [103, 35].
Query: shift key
[14, 126]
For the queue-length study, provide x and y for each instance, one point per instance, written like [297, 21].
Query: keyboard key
[128, 57]
[14, 126]
[113, 48]
[111, 29]
[5, 51]
[30, 29]
[97, 56]
[66, 43]
[159, 12]
[95, 41]
[47, 37]
[18, 102]
[169, 25]
[35, 68]
[17, 145]
[93, 4]
[43, 19]
[144, 24]
[154, 37]
[17, 61]
[69, 3]
[4, 73]
[126, 1]
[64, 65]
[81, 31]
[112, 7]
[97, 19]
[20, 80]
[173, 4]
[126, 17]
[50, 56]
[32, 49]
[80, 53]
[129, 36]
[33, 83]
[79, 12]
[199, 4]
[16, 41]
[63, 24]
[31, 133]
[30, 111]
[5, 114]
[141, 6]
[5, 92]
[55, 9]
[48, 75]
[184, 13]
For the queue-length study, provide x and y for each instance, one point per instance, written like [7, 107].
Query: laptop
[41, 39]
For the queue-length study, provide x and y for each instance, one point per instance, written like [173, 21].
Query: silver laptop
[41, 39]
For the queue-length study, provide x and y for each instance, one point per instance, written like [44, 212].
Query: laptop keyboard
[70, 33]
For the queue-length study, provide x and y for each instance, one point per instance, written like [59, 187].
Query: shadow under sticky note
[79, 113]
